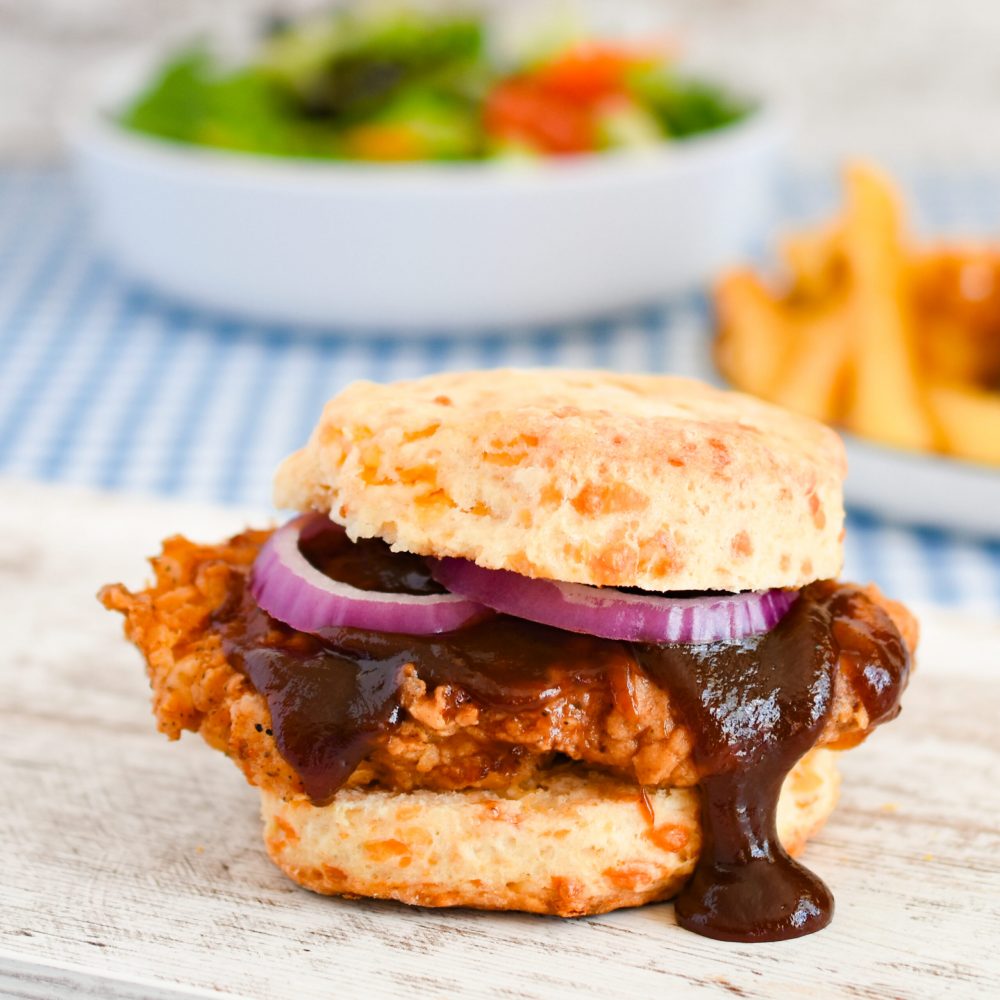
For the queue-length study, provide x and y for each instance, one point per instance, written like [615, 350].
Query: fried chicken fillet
[623, 725]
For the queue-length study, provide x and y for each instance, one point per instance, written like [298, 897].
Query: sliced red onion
[614, 614]
[288, 587]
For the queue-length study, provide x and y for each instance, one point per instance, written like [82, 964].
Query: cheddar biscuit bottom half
[551, 641]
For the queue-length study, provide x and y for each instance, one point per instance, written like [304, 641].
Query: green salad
[410, 87]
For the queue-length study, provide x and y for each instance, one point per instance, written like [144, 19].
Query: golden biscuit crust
[657, 482]
[577, 844]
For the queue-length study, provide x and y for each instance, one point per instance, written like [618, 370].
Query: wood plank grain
[133, 864]
[29, 981]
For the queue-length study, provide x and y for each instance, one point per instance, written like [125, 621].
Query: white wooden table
[134, 868]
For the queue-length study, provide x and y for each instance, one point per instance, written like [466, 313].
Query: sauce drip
[754, 707]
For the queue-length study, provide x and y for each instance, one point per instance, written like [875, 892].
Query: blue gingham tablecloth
[103, 385]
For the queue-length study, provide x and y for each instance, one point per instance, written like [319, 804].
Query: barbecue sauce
[753, 707]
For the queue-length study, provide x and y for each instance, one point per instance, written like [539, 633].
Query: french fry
[813, 378]
[885, 402]
[898, 344]
[969, 420]
[815, 259]
[754, 335]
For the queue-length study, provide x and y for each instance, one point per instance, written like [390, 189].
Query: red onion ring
[288, 587]
[614, 614]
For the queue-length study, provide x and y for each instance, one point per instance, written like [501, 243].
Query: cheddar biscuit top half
[650, 481]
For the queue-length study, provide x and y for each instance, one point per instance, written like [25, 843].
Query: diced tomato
[385, 143]
[520, 110]
[592, 71]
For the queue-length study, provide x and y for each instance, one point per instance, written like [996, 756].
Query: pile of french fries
[897, 343]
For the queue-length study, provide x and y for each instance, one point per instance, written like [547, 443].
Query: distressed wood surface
[134, 867]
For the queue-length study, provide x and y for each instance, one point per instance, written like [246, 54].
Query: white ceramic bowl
[425, 246]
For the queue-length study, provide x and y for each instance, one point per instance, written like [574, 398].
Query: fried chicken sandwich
[538, 640]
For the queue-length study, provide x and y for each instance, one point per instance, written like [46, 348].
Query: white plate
[923, 489]
[425, 246]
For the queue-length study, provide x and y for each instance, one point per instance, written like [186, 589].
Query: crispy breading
[442, 743]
